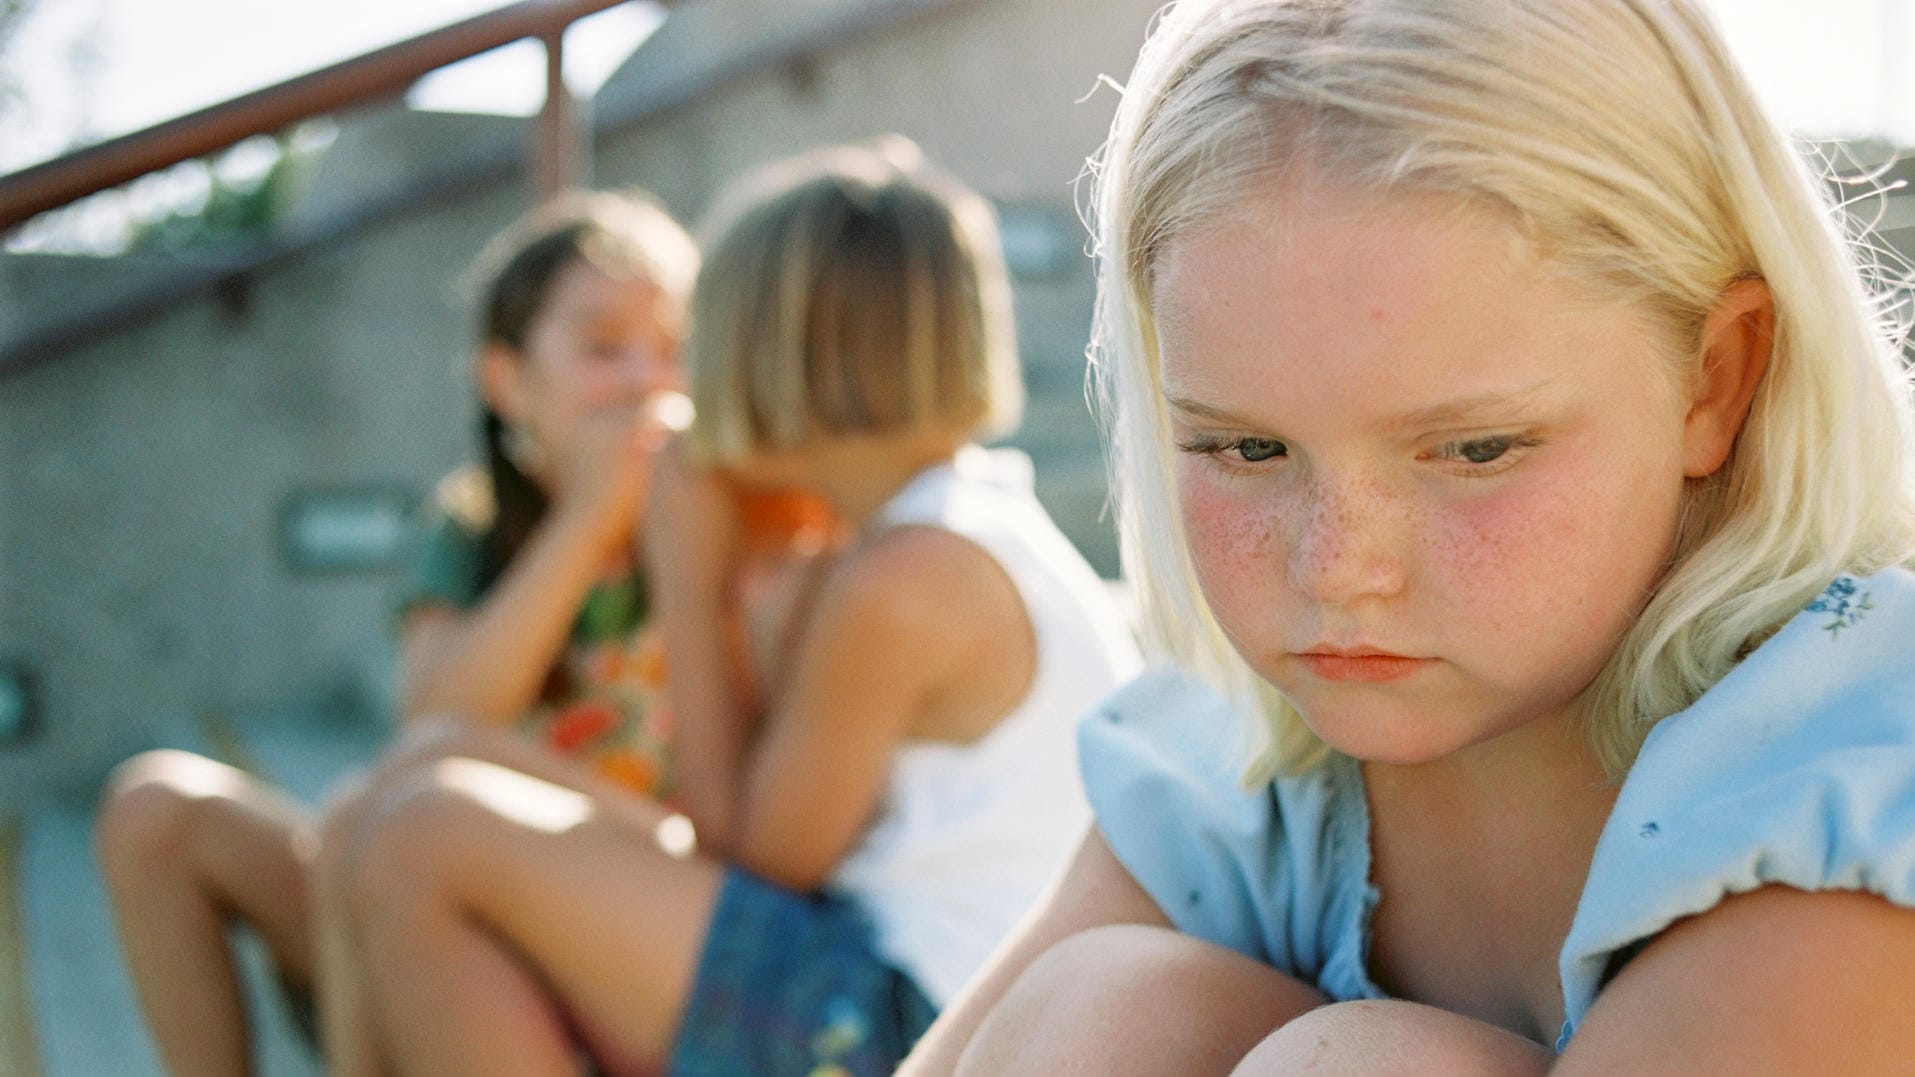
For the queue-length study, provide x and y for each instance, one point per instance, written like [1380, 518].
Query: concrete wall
[142, 477]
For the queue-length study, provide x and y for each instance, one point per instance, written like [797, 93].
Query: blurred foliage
[235, 213]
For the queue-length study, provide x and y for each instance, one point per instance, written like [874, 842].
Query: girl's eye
[1236, 450]
[1481, 451]
[1257, 450]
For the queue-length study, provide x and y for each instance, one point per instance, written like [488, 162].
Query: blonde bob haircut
[1618, 137]
[850, 291]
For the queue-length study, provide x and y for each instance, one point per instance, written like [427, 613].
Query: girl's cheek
[1515, 559]
[1479, 537]
[1229, 527]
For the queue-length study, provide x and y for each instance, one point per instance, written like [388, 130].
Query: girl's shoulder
[1796, 769]
[442, 557]
[918, 580]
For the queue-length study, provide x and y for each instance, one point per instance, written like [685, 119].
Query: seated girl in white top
[1501, 417]
[896, 787]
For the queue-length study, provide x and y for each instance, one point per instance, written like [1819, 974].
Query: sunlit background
[83, 70]
[73, 72]
[89, 69]
[230, 383]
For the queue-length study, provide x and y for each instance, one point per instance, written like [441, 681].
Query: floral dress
[604, 702]
[607, 706]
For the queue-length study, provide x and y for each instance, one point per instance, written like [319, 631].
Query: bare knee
[1178, 1002]
[343, 820]
[1390, 1036]
[379, 851]
[420, 836]
[154, 809]
[386, 803]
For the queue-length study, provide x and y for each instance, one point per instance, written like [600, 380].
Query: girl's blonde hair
[852, 290]
[1619, 137]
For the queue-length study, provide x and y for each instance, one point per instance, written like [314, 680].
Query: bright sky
[1830, 67]
[107, 67]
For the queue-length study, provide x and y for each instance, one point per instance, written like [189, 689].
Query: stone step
[75, 991]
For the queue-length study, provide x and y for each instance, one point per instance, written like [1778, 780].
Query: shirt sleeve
[1270, 872]
[1797, 769]
[443, 567]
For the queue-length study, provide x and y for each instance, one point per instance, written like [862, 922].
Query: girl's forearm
[706, 686]
[692, 542]
[489, 664]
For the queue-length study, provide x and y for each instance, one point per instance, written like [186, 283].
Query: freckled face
[1427, 480]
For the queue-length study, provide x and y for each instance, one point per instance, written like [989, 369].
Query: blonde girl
[1501, 419]
[861, 827]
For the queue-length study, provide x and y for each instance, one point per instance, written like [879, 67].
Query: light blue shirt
[1798, 768]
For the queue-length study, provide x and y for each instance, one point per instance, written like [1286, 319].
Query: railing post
[560, 157]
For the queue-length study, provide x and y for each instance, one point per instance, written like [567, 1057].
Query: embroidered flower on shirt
[1841, 603]
[845, 1031]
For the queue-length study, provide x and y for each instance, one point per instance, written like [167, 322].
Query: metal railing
[560, 138]
[380, 74]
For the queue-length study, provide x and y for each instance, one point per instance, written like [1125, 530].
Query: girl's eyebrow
[1497, 405]
[1462, 411]
[1198, 410]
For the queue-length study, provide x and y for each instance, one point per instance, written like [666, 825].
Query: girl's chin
[1400, 741]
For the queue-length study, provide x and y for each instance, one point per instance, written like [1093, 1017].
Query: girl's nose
[646, 370]
[1346, 545]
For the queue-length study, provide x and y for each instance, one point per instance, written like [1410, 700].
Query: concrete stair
[72, 1011]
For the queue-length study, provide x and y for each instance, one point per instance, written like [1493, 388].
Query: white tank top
[969, 835]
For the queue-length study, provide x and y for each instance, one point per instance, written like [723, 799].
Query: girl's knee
[1121, 976]
[154, 807]
[386, 846]
[1119, 969]
[415, 836]
[336, 835]
[1388, 1035]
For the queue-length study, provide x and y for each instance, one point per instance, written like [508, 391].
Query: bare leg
[345, 1017]
[1131, 999]
[485, 900]
[1390, 1037]
[352, 815]
[773, 591]
[187, 844]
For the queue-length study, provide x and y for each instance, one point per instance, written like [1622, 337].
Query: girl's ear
[1737, 337]
[501, 378]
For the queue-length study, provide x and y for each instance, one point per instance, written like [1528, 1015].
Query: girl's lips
[1363, 668]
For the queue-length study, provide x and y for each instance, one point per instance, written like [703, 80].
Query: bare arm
[896, 623]
[692, 543]
[1774, 981]
[1095, 891]
[486, 664]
